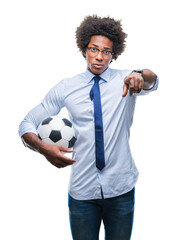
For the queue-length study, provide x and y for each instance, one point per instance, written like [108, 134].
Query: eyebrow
[106, 48]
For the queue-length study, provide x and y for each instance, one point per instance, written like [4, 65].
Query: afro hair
[108, 27]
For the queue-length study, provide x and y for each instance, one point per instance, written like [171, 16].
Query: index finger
[125, 90]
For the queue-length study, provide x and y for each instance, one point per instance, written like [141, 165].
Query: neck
[96, 74]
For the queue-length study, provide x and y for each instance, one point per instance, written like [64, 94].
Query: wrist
[149, 79]
[42, 147]
[139, 71]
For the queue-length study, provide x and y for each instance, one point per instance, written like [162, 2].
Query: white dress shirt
[120, 173]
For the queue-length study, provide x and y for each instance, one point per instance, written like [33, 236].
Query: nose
[99, 56]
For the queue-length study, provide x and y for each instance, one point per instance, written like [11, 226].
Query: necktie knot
[96, 79]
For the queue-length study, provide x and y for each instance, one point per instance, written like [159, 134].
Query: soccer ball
[57, 130]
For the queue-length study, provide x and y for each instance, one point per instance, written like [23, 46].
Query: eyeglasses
[104, 53]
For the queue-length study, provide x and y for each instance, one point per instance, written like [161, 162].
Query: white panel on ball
[63, 143]
[56, 123]
[44, 130]
[67, 133]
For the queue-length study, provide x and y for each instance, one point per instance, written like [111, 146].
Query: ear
[84, 53]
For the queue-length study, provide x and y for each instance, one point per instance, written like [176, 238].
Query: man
[101, 104]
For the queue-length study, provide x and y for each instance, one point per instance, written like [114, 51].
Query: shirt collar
[105, 76]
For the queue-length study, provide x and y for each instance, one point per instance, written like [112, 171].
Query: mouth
[98, 66]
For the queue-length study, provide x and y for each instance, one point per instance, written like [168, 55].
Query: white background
[37, 49]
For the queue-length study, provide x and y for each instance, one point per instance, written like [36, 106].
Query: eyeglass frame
[102, 51]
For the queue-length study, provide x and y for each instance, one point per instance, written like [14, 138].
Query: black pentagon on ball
[67, 122]
[46, 121]
[55, 136]
[72, 142]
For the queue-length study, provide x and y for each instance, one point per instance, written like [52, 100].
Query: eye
[106, 52]
[94, 49]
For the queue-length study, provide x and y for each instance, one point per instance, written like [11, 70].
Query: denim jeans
[116, 214]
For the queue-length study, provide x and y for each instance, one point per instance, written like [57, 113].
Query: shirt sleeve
[50, 106]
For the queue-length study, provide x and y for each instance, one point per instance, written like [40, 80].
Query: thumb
[125, 90]
[67, 150]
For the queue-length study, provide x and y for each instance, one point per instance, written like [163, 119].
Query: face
[98, 62]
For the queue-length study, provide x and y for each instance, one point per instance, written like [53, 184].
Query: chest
[79, 104]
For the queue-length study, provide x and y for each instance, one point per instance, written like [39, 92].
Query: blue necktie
[99, 140]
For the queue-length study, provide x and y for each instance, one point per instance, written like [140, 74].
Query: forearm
[53, 153]
[149, 79]
[33, 142]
